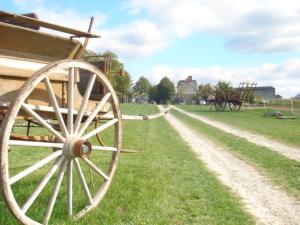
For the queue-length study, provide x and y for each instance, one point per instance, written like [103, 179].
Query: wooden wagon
[40, 81]
[234, 99]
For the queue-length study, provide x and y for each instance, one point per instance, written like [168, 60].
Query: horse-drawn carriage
[69, 103]
[234, 98]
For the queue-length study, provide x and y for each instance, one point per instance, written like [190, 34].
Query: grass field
[282, 171]
[253, 120]
[162, 184]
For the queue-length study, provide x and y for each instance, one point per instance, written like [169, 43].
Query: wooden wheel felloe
[220, 101]
[220, 106]
[48, 162]
[235, 106]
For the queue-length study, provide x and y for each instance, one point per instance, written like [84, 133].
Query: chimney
[189, 79]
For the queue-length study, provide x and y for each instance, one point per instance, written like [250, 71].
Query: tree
[153, 94]
[205, 90]
[224, 86]
[142, 86]
[121, 84]
[165, 90]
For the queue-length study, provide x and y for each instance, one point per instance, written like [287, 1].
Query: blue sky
[211, 40]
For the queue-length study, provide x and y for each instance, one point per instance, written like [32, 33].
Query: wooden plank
[44, 24]
[16, 67]
[25, 43]
[15, 21]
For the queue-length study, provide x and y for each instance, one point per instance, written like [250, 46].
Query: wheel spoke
[35, 144]
[84, 102]
[83, 182]
[99, 129]
[70, 188]
[54, 103]
[55, 191]
[104, 148]
[70, 99]
[95, 168]
[94, 113]
[34, 167]
[42, 185]
[42, 121]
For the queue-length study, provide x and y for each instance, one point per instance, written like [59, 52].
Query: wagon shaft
[5, 18]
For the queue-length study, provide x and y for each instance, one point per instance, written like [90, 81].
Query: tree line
[160, 93]
[123, 84]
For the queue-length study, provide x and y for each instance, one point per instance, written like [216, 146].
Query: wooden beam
[44, 24]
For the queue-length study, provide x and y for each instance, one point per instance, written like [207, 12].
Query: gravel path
[269, 205]
[283, 149]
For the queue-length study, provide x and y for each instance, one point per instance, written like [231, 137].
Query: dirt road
[283, 149]
[268, 204]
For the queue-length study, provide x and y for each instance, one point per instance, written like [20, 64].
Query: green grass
[162, 184]
[282, 171]
[253, 120]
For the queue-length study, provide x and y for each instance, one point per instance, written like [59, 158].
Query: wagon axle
[77, 148]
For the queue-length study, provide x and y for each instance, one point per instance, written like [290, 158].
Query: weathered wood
[109, 115]
[42, 185]
[34, 167]
[45, 138]
[70, 188]
[83, 182]
[95, 168]
[97, 109]
[30, 44]
[20, 105]
[16, 68]
[99, 129]
[55, 191]
[14, 21]
[40, 23]
[35, 143]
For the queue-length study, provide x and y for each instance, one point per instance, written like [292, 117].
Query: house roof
[189, 79]
[265, 88]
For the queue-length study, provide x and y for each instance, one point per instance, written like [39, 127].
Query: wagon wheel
[235, 106]
[220, 106]
[74, 149]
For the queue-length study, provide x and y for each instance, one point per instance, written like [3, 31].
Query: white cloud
[70, 18]
[130, 40]
[26, 2]
[284, 77]
[250, 25]
[136, 39]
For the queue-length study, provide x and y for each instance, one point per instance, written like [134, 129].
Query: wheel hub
[77, 148]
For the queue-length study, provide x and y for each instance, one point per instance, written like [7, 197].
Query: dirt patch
[267, 203]
[283, 149]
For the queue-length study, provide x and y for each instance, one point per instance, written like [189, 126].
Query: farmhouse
[187, 89]
[265, 92]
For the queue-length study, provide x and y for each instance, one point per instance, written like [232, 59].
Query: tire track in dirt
[268, 204]
[283, 149]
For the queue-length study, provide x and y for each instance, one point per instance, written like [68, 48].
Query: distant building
[141, 99]
[297, 96]
[187, 89]
[265, 92]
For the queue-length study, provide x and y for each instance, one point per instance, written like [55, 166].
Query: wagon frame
[234, 99]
